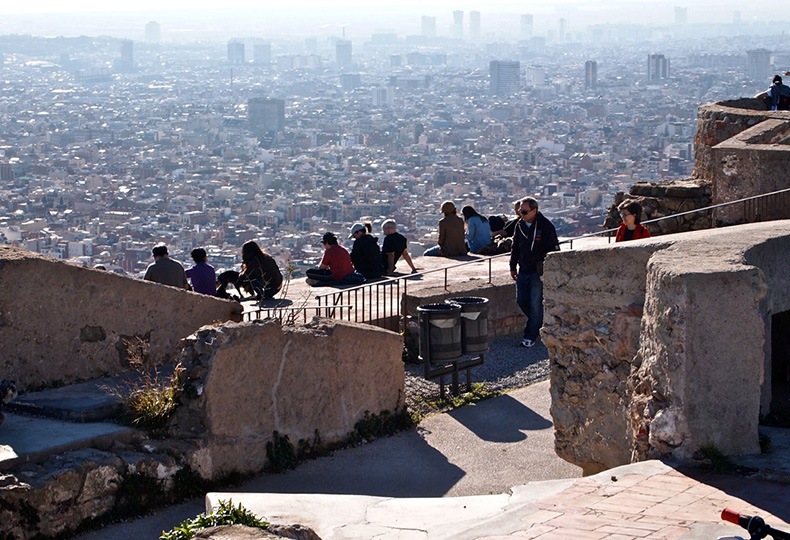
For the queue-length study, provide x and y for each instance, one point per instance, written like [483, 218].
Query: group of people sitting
[260, 277]
[366, 261]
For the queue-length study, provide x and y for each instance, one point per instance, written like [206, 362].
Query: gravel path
[506, 367]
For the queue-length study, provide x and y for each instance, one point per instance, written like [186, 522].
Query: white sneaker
[527, 343]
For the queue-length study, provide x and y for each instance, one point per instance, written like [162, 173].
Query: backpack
[497, 223]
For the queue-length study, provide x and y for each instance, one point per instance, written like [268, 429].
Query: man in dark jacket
[366, 254]
[534, 237]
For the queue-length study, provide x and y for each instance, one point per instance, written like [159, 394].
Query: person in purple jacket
[202, 275]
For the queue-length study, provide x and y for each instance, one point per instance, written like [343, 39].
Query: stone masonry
[661, 346]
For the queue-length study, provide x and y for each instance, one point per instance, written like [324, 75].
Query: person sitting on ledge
[777, 97]
[366, 254]
[165, 270]
[451, 234]
[335, 268]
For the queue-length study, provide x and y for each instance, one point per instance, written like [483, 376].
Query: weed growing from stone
[225, 514]
[713, 458]
[150, 400]
[421, 406]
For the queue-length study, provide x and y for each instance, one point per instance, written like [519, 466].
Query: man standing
[533, 238]
[394, 246]
[165, 270]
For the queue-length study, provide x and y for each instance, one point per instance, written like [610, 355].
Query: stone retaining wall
[661, 346]
[61, 323]
[242, 382]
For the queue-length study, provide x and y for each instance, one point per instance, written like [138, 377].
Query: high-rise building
[563, 30]
[591, 74]
[758, 64]
[458, 25]
[526, 26]
[505, 77]
[657, 67]
[428, 26]
[125, 63]
[535, 76]
[474, 25]
[343, 57]
[153, 32]
[236, 52]
[262, 52]
[266, 116]
[681, 15]
[350, 81]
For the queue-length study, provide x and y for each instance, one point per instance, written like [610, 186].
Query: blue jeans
[529, 297]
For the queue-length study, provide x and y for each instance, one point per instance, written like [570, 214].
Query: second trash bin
[474, 323]
[440, 331]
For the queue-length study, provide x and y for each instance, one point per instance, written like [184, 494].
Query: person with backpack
[778, 95]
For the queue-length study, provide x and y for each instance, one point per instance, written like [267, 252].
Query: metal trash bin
[474, 323]
[440, 331]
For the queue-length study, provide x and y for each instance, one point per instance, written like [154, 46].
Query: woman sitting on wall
[259, 272]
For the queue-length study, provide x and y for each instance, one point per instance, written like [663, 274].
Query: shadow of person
[500, 419]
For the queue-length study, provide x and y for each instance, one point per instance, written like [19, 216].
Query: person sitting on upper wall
[260, 274]
[631, 228]
[451, 234]
[478, 231]
[366, 253]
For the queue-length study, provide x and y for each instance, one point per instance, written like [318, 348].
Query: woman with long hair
[478, 231]
[260, 274]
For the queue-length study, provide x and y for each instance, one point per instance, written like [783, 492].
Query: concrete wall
[247, 380]
[660, 346]
[61, 323]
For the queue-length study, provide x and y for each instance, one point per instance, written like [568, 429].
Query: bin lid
[439, 308]
[467, 300]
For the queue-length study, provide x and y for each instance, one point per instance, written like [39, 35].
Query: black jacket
[531, 243]
[366, 256]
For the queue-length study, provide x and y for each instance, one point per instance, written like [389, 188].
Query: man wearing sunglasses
[534, 237]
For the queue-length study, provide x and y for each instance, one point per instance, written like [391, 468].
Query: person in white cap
[365, 253]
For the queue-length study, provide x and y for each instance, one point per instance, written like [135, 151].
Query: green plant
[373, 426]
[150, 400]
[281, 453]
[225, 514]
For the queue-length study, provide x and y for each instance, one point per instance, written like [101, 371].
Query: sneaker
[527, 343]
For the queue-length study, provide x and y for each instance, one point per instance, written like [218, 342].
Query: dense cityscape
[109, 145]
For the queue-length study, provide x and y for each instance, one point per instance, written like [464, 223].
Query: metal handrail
[360, 298]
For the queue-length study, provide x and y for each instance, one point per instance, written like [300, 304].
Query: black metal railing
[380, 303]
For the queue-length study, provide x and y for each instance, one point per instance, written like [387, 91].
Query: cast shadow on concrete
[501, 419]
[271, 303]
[403, 465]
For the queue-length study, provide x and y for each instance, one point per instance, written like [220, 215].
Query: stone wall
[744, 150]
[242, 381]
[661, 346]
[248, 380]
[61, 323]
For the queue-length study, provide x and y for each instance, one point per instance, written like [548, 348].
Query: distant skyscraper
[153, 32]
[458, 25]
[535, 76]
[126, 63]
[758, 64]
[657, 67]
[563, 30]
[349, 81]
[428, 26]
[505, 77]
[681, 15]
[526, 26]
[266, 116]
[474, 25]
[236, 52]
[590, 74]
[343, 57]
[262, 52]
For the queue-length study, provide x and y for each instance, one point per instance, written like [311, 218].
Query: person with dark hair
[335, 267]
[451, 234]
[202, 275]
[260, 275]
[534, 238]
[165, 270]
[478, 231]
[631, 228]
[366, 253]
[778, 95]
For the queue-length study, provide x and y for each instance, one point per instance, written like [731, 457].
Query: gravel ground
[506, 367]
